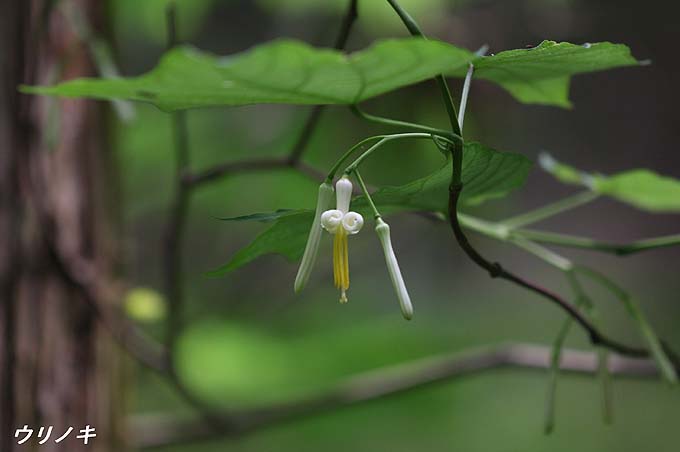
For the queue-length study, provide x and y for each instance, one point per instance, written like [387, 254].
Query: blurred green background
[250, 340]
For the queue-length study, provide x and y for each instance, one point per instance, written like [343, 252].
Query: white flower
[323, 202]
[383, 231]
[341, 222]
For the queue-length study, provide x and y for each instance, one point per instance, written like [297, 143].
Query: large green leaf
[541, 74]
[282, 71]
[291, 72]
[641, 188]
[486, 174]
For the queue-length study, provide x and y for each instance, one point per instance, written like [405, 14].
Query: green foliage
[282, 71]
[286, 237]
[487, 174]
[291, 72]
[263, 217]
[540, 75]
[641, 188]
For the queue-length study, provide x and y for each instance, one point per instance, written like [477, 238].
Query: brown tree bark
[57, 367]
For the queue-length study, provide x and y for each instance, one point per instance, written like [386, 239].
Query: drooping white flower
[383, 231]
[341, 222]
[323, 202]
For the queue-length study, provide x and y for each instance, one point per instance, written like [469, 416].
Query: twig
[495, 270]
[171, 256]
[561, 206]
[152, 431]
[619, 249]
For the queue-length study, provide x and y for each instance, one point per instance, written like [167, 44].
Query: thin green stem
[605, 377]
[500, 232]
[621, 249]
[494, 230]
[550, 210]
[414, 29]
[376, 214]
[582, 301]
[555, 358]
[543, 253]
[348, 154]
[407, 125]
[386, 139]
[664, 363]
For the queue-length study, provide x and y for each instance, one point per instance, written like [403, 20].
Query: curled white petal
[331, 220]
[343, 194]
[352, 222]
[323, 202]
[383, 231]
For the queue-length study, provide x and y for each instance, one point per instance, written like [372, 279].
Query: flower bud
[323, 202]
[343, 193]
[383, 231]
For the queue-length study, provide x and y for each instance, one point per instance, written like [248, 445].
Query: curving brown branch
[494, 269]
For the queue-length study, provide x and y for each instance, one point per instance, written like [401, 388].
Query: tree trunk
[58, 368]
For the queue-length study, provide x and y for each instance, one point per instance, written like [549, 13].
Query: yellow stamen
[336, 276]
[345, 262]
[341, 264]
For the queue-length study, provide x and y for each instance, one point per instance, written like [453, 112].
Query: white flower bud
[383, 231]
[352, 222]
[343, 194]
[331, 220]
[323, 202]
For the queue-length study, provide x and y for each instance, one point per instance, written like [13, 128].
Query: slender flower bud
[343, 195]
[383, 231]
[323, 202]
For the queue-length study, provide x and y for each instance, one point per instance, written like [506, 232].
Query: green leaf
[291, 72]
[644, 189]
[641, 188]
[282, 71]
[541, 75]
[487, 174]
[263, 217]
[287, 237]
